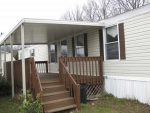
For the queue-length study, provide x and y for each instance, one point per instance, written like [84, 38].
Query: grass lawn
[109, 104]
[106, 104]
[7, 105]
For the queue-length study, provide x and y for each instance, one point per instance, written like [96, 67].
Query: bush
[5, 87]
[108, 95]
[30, 105]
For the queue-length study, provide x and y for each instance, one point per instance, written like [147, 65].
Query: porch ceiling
[46, 31]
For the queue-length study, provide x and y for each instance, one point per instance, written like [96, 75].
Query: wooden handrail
[35, 82]
[70, 83]
[87, 70]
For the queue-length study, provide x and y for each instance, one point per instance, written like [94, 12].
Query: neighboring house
[8, 58]
[123, 41]
[39, 52]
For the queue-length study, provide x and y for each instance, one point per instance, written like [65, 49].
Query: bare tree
[76, 14]
[104, 9]
[90, 11]
[127, 5]
[96, 10]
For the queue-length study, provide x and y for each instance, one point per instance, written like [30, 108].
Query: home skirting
[129, 87]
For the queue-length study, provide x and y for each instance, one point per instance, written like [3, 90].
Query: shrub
[5, 87]
[30, 105]
[108, 95]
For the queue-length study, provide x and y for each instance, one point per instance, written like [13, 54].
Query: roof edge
[16, 27]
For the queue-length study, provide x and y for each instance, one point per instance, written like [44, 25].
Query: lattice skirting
[94, 90]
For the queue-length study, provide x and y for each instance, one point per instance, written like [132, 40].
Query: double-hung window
[79, 45]
[53, 53]
[111, 43]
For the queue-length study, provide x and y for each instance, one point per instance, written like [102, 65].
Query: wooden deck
[60, 91]
[49, 77]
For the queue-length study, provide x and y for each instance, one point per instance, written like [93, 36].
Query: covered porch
[73, 70]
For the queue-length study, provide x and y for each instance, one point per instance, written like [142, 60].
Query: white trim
[104, 37]
[118, 40]
[5, 72]
[23, 61]
[0, 59]
[48, 21]
[12, 66]
[127, 78]
[104, 40]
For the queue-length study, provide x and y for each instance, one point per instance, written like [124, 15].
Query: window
[112, 50]
[53, 53]
[79, 45]
[32, 52]
[64, 50]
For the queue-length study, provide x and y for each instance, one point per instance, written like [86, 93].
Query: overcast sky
[12, 11]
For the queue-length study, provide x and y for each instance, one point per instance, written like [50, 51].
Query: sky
[13, 11]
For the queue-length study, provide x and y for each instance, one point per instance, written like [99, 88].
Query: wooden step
[62, 108]
[52, 89]
[55, 95]
[49, 105]
[50, 83]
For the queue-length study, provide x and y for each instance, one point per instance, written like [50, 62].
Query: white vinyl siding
[137, 46]
[93, 43]
[41, 52]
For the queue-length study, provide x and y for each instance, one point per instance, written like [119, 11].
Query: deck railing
[35, 80]
[87, 70]
[70, 83]
[42, 66]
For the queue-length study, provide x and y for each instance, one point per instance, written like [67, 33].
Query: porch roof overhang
[39, 31]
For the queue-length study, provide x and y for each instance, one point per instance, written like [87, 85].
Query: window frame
[75, 43]
[105, 43]
[61, 47]
[52, 52]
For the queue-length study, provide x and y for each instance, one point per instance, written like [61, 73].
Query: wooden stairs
[55, 97]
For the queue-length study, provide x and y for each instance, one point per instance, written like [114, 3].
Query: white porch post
[12, 67]
[5, 73]
[23, 61]
[0, 60]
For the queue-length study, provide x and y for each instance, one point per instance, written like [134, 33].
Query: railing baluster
[73, 67]
[86, 72]
[80, 70]
[99, 70]
[96, 69]
[101, 58]
[42, 66]
[83, 59]
[90, 70]
[76, 70]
